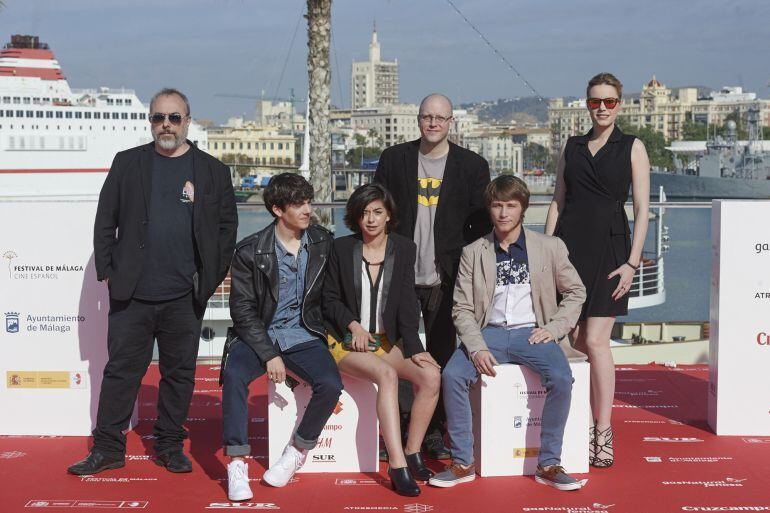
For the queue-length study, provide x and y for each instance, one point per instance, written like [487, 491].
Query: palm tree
[361, 143]
[372, 133]
[319, 24]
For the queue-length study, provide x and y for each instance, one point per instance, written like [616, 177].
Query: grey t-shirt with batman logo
[430, 175]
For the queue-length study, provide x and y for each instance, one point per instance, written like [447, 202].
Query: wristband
[632, 266]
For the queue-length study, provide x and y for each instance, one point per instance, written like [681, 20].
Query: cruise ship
[59, 141]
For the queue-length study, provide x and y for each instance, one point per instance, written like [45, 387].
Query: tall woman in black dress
[594, 174]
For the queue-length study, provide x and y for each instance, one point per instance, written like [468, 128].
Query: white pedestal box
[54, 343]
[739, 345]
[350, 440]
[506, 421]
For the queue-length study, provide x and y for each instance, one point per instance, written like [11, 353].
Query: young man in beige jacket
[506, 310]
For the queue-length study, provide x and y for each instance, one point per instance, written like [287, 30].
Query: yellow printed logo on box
[44, 379]
[526, 452]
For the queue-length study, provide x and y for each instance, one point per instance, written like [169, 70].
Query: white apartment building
[373, 82]
[540, 136]
[391, 123]
[503, 155]
[464, 123]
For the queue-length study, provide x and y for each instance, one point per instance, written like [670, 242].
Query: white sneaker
[238, 488]
[282, 471]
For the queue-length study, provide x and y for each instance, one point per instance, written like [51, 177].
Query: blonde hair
[605, 79]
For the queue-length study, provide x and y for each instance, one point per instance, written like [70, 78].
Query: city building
[503, 155]
[463, 123]
[373, 82]
[392, 124]
[274, 113]
[540, 136]
[264, 146]
[659, 108]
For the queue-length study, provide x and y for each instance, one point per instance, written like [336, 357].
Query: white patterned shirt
[511, 306]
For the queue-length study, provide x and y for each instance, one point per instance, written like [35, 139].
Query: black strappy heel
[605, 455]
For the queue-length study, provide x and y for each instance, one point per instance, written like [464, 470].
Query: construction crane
[292, 99]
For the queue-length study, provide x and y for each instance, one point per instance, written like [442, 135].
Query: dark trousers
[440, 341]
[133, 326]
[310, 361]
[440, 334]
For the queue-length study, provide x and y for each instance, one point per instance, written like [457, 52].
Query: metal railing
[221, 296]
[648, 279]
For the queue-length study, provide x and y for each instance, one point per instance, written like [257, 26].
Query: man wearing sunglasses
[438, 188]
[163, 238]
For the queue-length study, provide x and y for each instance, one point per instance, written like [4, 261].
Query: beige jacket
[550, 271]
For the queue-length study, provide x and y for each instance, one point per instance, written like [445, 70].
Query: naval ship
[724, 167]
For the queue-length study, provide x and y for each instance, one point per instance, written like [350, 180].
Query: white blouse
[369, 289]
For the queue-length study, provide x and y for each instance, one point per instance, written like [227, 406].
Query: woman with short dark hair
[372, 319]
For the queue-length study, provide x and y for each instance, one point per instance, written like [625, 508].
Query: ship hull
[699, 187]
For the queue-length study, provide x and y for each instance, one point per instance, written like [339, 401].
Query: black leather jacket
[254, 288]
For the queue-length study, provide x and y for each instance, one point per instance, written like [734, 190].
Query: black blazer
[120, 228]
[461, 216]
[342, 290]
[254, 288]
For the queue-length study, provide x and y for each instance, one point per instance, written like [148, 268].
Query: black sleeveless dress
[593, 223]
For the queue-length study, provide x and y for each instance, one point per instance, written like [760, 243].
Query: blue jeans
[509, 346]
[311, 361]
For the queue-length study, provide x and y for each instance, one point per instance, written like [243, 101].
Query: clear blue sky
[239, 46]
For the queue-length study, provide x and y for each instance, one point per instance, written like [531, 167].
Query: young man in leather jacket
[275, 304]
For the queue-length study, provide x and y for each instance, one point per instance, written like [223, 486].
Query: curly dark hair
[286, 189]
[363, 196]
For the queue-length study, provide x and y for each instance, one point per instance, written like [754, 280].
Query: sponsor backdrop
[507, 410]
[53, 339]
[739, 353]
[350, 440]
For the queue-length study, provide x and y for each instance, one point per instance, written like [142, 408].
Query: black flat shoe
[94, 463]
[417, 467]
[402, 482]
[174, 461]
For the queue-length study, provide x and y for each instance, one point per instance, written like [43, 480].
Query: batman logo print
[428, 190]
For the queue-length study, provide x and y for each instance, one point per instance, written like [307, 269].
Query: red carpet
[667, 459]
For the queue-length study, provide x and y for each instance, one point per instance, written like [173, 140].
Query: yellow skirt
[339, 352]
